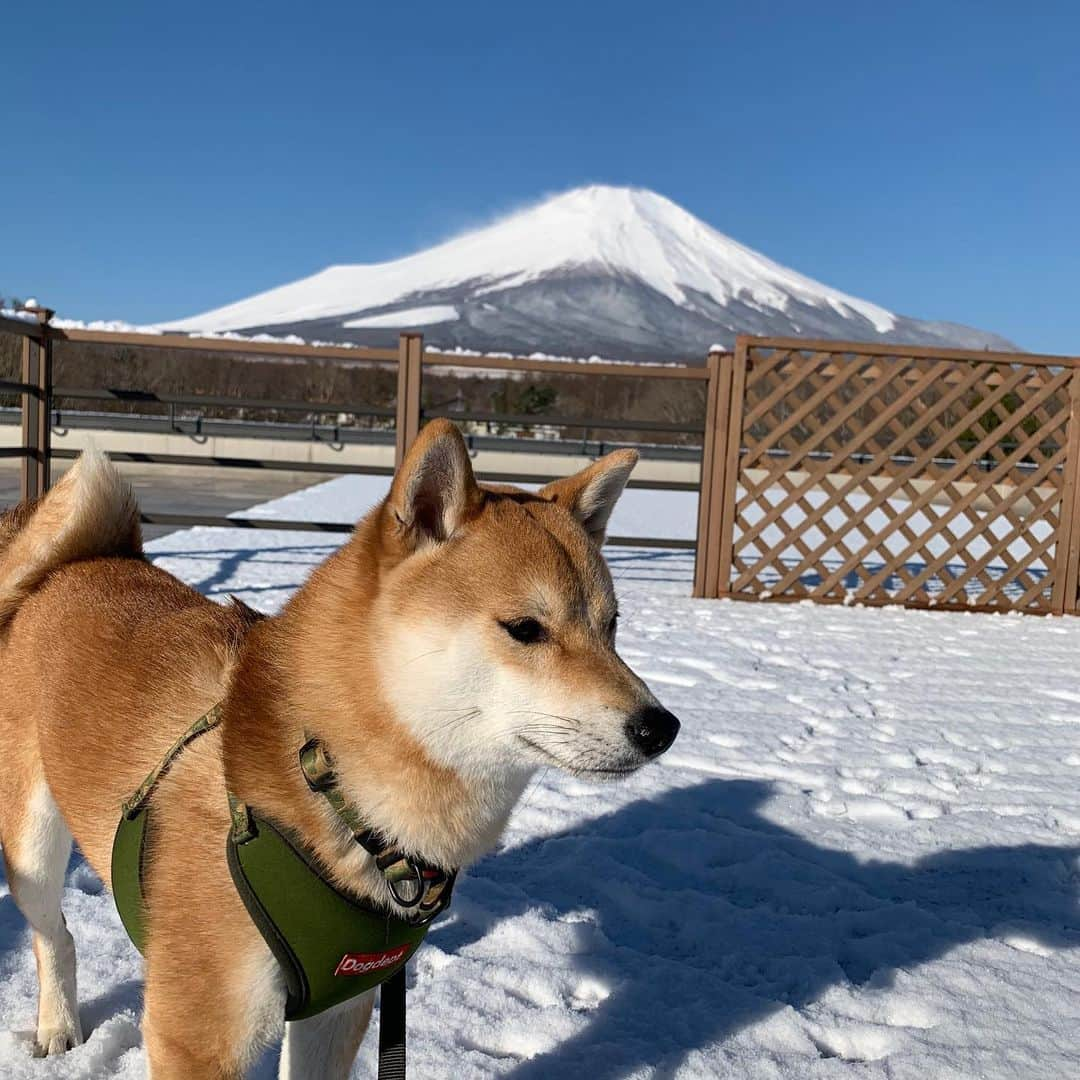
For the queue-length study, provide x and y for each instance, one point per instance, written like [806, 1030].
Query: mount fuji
[608, 271]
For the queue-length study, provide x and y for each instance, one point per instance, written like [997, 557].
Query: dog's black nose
[652, 730]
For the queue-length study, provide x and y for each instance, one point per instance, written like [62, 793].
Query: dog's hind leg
[326, 1045]
[37, 846]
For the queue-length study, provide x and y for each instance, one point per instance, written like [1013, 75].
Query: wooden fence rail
[39, 394]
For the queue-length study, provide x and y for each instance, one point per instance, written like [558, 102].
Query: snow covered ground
[673, 515]
[859, 859]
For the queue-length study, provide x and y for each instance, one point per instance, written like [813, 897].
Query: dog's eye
[527, 631]
[613, 625]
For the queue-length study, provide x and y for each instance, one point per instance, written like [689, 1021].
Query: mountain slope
[599, 270]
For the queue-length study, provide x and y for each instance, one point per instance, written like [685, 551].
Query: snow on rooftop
[18, 314]
[118, 326]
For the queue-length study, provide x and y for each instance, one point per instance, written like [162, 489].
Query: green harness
[331, 946]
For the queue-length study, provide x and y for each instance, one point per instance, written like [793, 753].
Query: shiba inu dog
[463, 637]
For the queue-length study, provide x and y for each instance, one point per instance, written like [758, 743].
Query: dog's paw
[51, 1042]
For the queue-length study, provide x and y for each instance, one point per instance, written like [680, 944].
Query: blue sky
[159, 160]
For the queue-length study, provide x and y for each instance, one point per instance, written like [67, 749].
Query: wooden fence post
[705, 484]
[410, 379]
[31, 363]
[1063, 600]
[44, 403]
[728, 442]
[36, 403]
[713, 497]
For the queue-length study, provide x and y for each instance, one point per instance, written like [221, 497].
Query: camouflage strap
[207, 722]
[132, 832]
[243, 828]
[318, 770]
[412, 882]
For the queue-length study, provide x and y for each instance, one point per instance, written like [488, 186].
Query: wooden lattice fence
[862, 473]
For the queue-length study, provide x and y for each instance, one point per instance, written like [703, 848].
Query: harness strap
[318, 770]
[207, 722]
[412, 882]
[132, 834]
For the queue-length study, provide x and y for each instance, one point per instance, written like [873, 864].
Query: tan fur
[91, 511]
[396, 653]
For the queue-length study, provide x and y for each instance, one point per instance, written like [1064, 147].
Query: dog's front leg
[214, 999]
[212, 1042]
[325, 1045]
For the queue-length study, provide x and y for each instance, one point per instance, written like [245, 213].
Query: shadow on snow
[703, 917]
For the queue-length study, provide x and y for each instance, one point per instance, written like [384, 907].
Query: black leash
[392, 1027]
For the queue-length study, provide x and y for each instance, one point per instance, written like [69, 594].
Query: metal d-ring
[417, 879]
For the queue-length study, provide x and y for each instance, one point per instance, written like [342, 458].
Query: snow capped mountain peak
[642, 234]
[618, 270]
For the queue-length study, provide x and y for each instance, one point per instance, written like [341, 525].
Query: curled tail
[91, 512]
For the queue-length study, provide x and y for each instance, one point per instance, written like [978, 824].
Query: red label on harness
[361, 963]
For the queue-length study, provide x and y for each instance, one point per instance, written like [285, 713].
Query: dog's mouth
[576, 768]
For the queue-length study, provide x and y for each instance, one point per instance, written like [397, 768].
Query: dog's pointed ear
[434, 492]
[591, 494]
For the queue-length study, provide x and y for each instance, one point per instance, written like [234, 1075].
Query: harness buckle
[316, 767]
